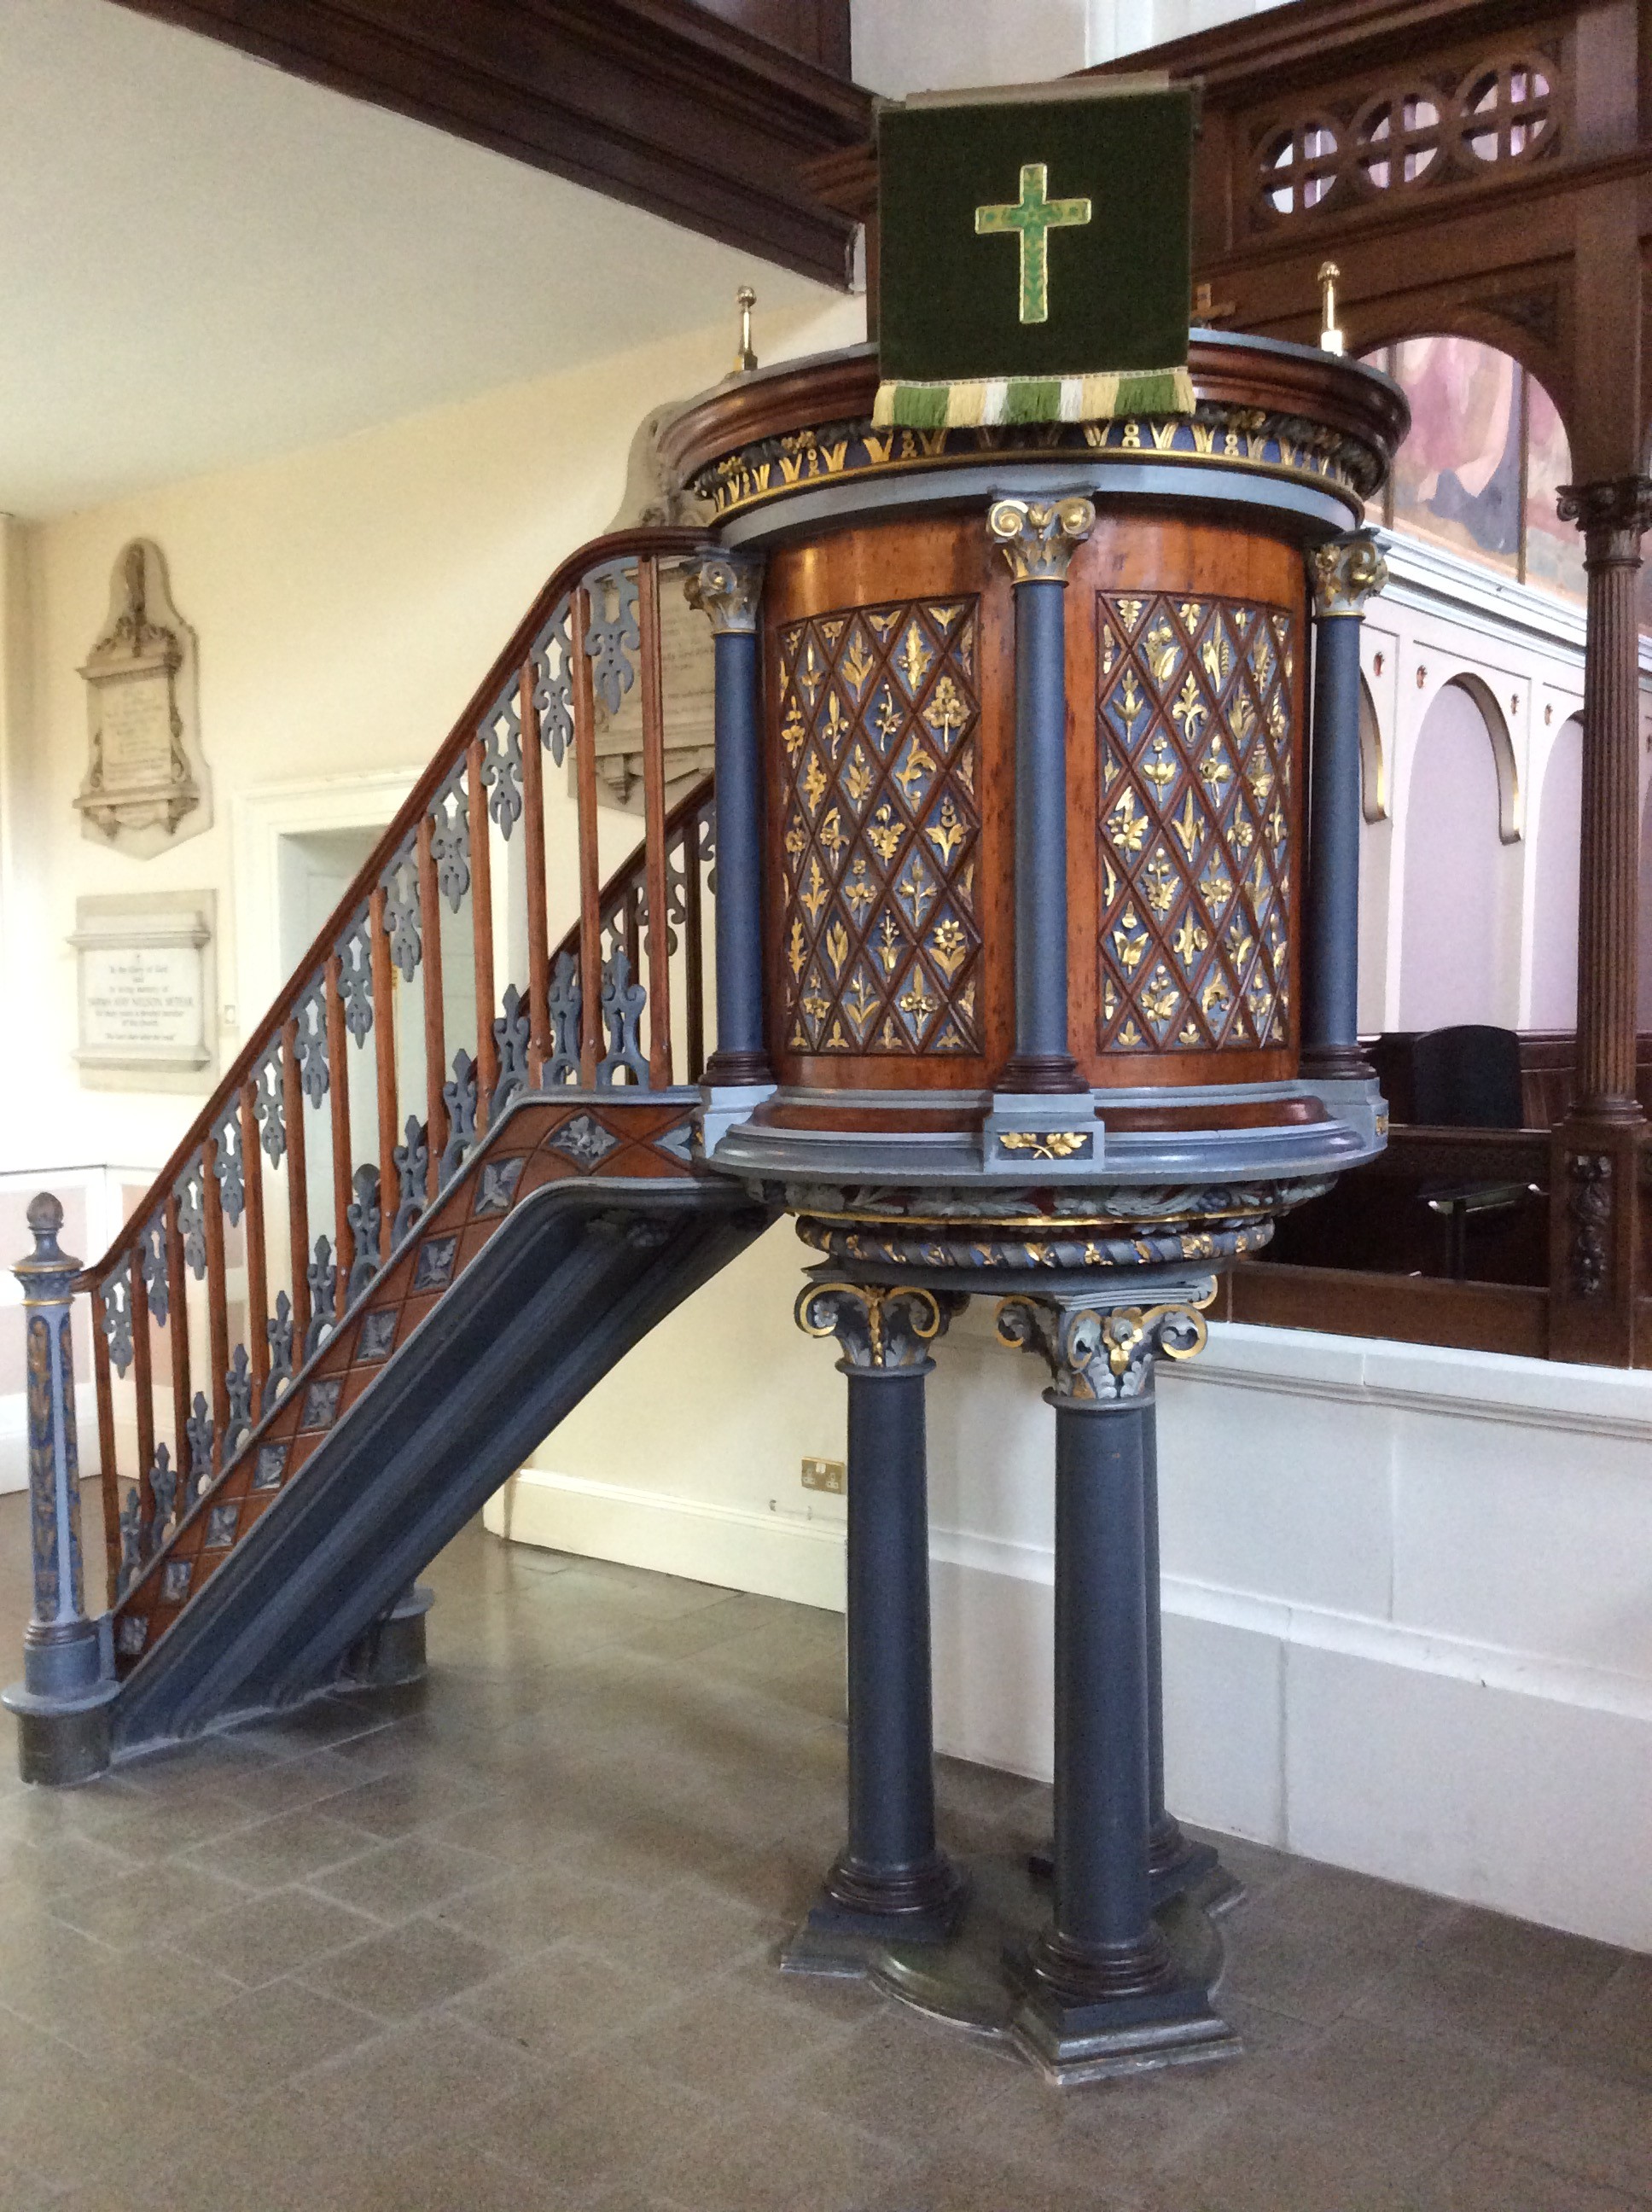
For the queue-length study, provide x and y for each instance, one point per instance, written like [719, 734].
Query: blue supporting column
[891, 1882]
[1102, 1990]
[1344, 573]
[725, 587]
[62, 1703]
[1038, 538]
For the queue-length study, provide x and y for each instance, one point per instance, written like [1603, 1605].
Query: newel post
[62, 1703]
[1594, 1161]
[1343, 572]
[727, 587]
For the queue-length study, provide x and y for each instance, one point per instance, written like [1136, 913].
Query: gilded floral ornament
[878, 1328]
[1346, 572]
[1037, 536]
[1102, 1354]
[725, 586]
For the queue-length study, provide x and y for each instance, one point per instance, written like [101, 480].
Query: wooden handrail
[662, 541]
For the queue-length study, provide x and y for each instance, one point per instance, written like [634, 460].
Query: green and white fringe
[981, 402]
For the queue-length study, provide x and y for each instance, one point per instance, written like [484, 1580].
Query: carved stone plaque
[146, 990]
[146, 783]
[688, 691]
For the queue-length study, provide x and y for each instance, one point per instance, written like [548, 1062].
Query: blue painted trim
[1331, 952]
[739, 846]
[1040, 819]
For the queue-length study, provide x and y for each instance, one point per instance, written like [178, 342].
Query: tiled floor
[508, 1941]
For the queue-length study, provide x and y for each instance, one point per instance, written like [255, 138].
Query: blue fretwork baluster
[450, 840]
[152, 1262]
[622, 1002]
[310, 1013]
[198, 1429]
[322, 1275]
[191, 1220]
[237, 1388]
[163, 1491]
[511, 1044]
[61, 1703]
[267, 1110]
[460, 1097]
[131, 1541]
[279, 1330]
[612, 635]
[553, 683]
[412, 1159]
[365, 1218]
[118, 1319]
[229, 1167]
[401, 882]
[565, 995]
[501, 768]
[356, 979]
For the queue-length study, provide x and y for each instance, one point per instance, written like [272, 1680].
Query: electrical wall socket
[824, 1474]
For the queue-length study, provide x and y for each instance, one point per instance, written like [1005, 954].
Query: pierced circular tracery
[1505, 110]
[1300, 164]
[1397, 138]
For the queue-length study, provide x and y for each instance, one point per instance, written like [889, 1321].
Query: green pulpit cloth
[1035, 261]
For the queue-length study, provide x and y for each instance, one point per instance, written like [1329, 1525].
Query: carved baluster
[238, 1386]
[258, 1267]
[511, 1053]
[178, 1328]
[163, 1493]
[460, 1098]
[654, 809]
[585, 770]
[411, 1163]
[533, 827]
[202, 1433]
[384, 1040]
[435, 1031]
[562, 1000]
[216, 1157]
[482, 927]
[366, 1219]
[298, 1195]
[321, 1276]
[339, 1099]
[104, 1323]
[279, 1366]
[142, 1358]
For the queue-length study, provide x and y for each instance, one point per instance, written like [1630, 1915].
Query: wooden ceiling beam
[660, 103]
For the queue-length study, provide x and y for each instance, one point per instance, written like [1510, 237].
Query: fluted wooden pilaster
[1612, 516]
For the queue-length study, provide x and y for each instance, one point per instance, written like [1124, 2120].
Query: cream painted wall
[347, 600]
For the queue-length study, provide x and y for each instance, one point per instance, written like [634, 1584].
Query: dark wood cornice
[658, 103]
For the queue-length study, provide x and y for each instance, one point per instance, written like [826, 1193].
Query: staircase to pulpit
[450, 1179]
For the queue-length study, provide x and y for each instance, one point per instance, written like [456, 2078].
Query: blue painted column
[890, 1881]
[1100, 1982]
[1344, 573]
[61, 1703]
[726, 586]
[1037, 539]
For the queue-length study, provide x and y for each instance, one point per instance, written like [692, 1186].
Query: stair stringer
[578, 1274]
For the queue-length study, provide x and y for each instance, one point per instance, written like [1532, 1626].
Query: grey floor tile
[1583, 2124]
[269, 1935]
[563, 2001]
[268, 1854]
[1477, 2180]
[404, 1970]
[1612, 2034]
[419, 2082]
[397, 1880]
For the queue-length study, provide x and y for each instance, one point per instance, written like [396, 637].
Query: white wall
[347, 600]
[913, 46]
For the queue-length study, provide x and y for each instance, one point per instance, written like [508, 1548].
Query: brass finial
[745, 361]
[1330, 335]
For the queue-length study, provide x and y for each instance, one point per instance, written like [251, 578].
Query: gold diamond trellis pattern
[878, 726]
[1194, 726]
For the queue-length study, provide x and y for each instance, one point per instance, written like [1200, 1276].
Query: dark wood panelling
[815, 30]
[1473, 1316]
[660, 103]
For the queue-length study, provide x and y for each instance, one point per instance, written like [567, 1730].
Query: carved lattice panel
[1194, 726]
[878, 723]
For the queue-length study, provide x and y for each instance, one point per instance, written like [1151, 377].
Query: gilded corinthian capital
[1346, 572]
[725, 586]
[1102, 1354]
[883, 1329]
[1037, 536]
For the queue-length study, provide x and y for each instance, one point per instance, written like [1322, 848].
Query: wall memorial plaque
[146, 990]
[146, 783]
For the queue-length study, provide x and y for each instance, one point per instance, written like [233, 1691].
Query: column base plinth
[921, 1903]
[978, 1980]
[392, 1651]
[61, 1739]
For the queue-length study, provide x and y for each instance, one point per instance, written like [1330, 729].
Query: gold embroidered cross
[1032, 218]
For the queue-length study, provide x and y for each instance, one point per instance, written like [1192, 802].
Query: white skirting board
[1407, 1602]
